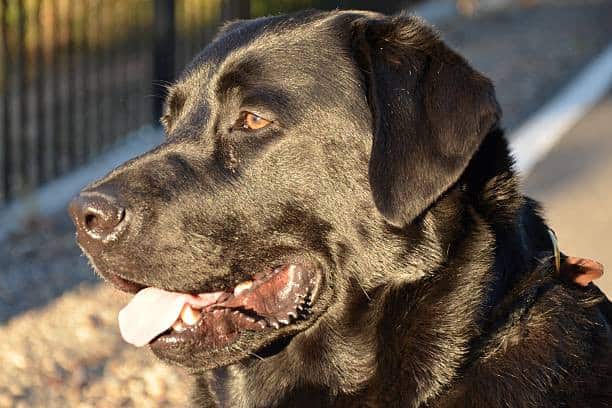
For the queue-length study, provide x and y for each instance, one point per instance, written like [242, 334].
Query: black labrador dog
[334, 221]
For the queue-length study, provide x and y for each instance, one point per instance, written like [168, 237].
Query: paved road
[574, 182]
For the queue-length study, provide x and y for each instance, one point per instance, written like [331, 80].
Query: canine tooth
[189, 315]
[178, 326]
[242, 286]
[274, 323]
[293, 314]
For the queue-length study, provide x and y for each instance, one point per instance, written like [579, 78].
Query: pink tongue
[152, 311]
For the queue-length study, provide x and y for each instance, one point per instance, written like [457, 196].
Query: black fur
[386, 167]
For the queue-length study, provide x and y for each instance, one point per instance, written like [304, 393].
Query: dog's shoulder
[554, 349]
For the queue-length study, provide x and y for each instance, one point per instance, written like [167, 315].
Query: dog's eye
[252, 121]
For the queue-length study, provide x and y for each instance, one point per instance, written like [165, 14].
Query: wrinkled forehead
[292, 53]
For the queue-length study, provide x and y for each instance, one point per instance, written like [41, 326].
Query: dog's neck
[429, 322]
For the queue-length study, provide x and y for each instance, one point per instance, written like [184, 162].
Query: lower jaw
[213, 334]
[225, 336]
[215, 329]
[196, 354]
[195, 358]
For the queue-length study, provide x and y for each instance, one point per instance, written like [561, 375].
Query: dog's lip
[269, 300]
[123, 284]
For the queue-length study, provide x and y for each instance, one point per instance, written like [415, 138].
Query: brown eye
[252, 121]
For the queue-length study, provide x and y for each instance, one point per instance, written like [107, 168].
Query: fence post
[233, 9]
[7, 94]
[163, 52]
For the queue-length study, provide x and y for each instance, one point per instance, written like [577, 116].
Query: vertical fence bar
[179, 43]
[55, 100]
[147, 56]
[191, 24]
[142, 50]
[41, 98]
[22, 144]
[137, 50]
[212, 22]
[203, 31]
[85, 70]
[127, 18]
[163, 53]
[71, 134]
[108, 88]
[97, 136]
[3, 100]
[106, 37]
[101, 74]
[7, 159]
[234, 9]
[122, 65]
[63, 60]
[114, 79]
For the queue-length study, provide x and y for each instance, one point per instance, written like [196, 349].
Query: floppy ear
[431, 111]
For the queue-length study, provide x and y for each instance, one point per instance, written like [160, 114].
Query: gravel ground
[69, 354]
[60, 344]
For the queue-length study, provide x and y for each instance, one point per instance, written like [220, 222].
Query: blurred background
[77, 75]
[82, 83]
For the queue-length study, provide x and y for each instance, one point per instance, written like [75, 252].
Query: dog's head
[299, 148]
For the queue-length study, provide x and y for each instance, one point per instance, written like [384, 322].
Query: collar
[556, 252]
[580, 271]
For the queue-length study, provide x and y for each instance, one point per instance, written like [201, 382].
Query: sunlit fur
[384, 164]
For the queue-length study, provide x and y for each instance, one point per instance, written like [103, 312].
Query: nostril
[98, 216]
[91, 221]
[105, 221]
[94, 223]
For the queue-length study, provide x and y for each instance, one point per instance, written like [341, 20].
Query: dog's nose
[98, 216]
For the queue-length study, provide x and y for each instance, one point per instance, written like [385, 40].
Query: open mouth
[267, 302]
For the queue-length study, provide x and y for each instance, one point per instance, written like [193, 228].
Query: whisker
[362, 288]
[249, 352]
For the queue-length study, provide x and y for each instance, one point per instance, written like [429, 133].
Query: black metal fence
[76, 75]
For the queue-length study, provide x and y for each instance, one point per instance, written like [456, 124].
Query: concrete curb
[538, 134]
[53, 197]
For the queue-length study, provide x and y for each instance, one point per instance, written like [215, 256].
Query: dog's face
[299, 149]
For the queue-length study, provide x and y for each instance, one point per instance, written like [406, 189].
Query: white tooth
[189, 315]
[242, 286]
[293, 314]
[178, 326]
[284, 320]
